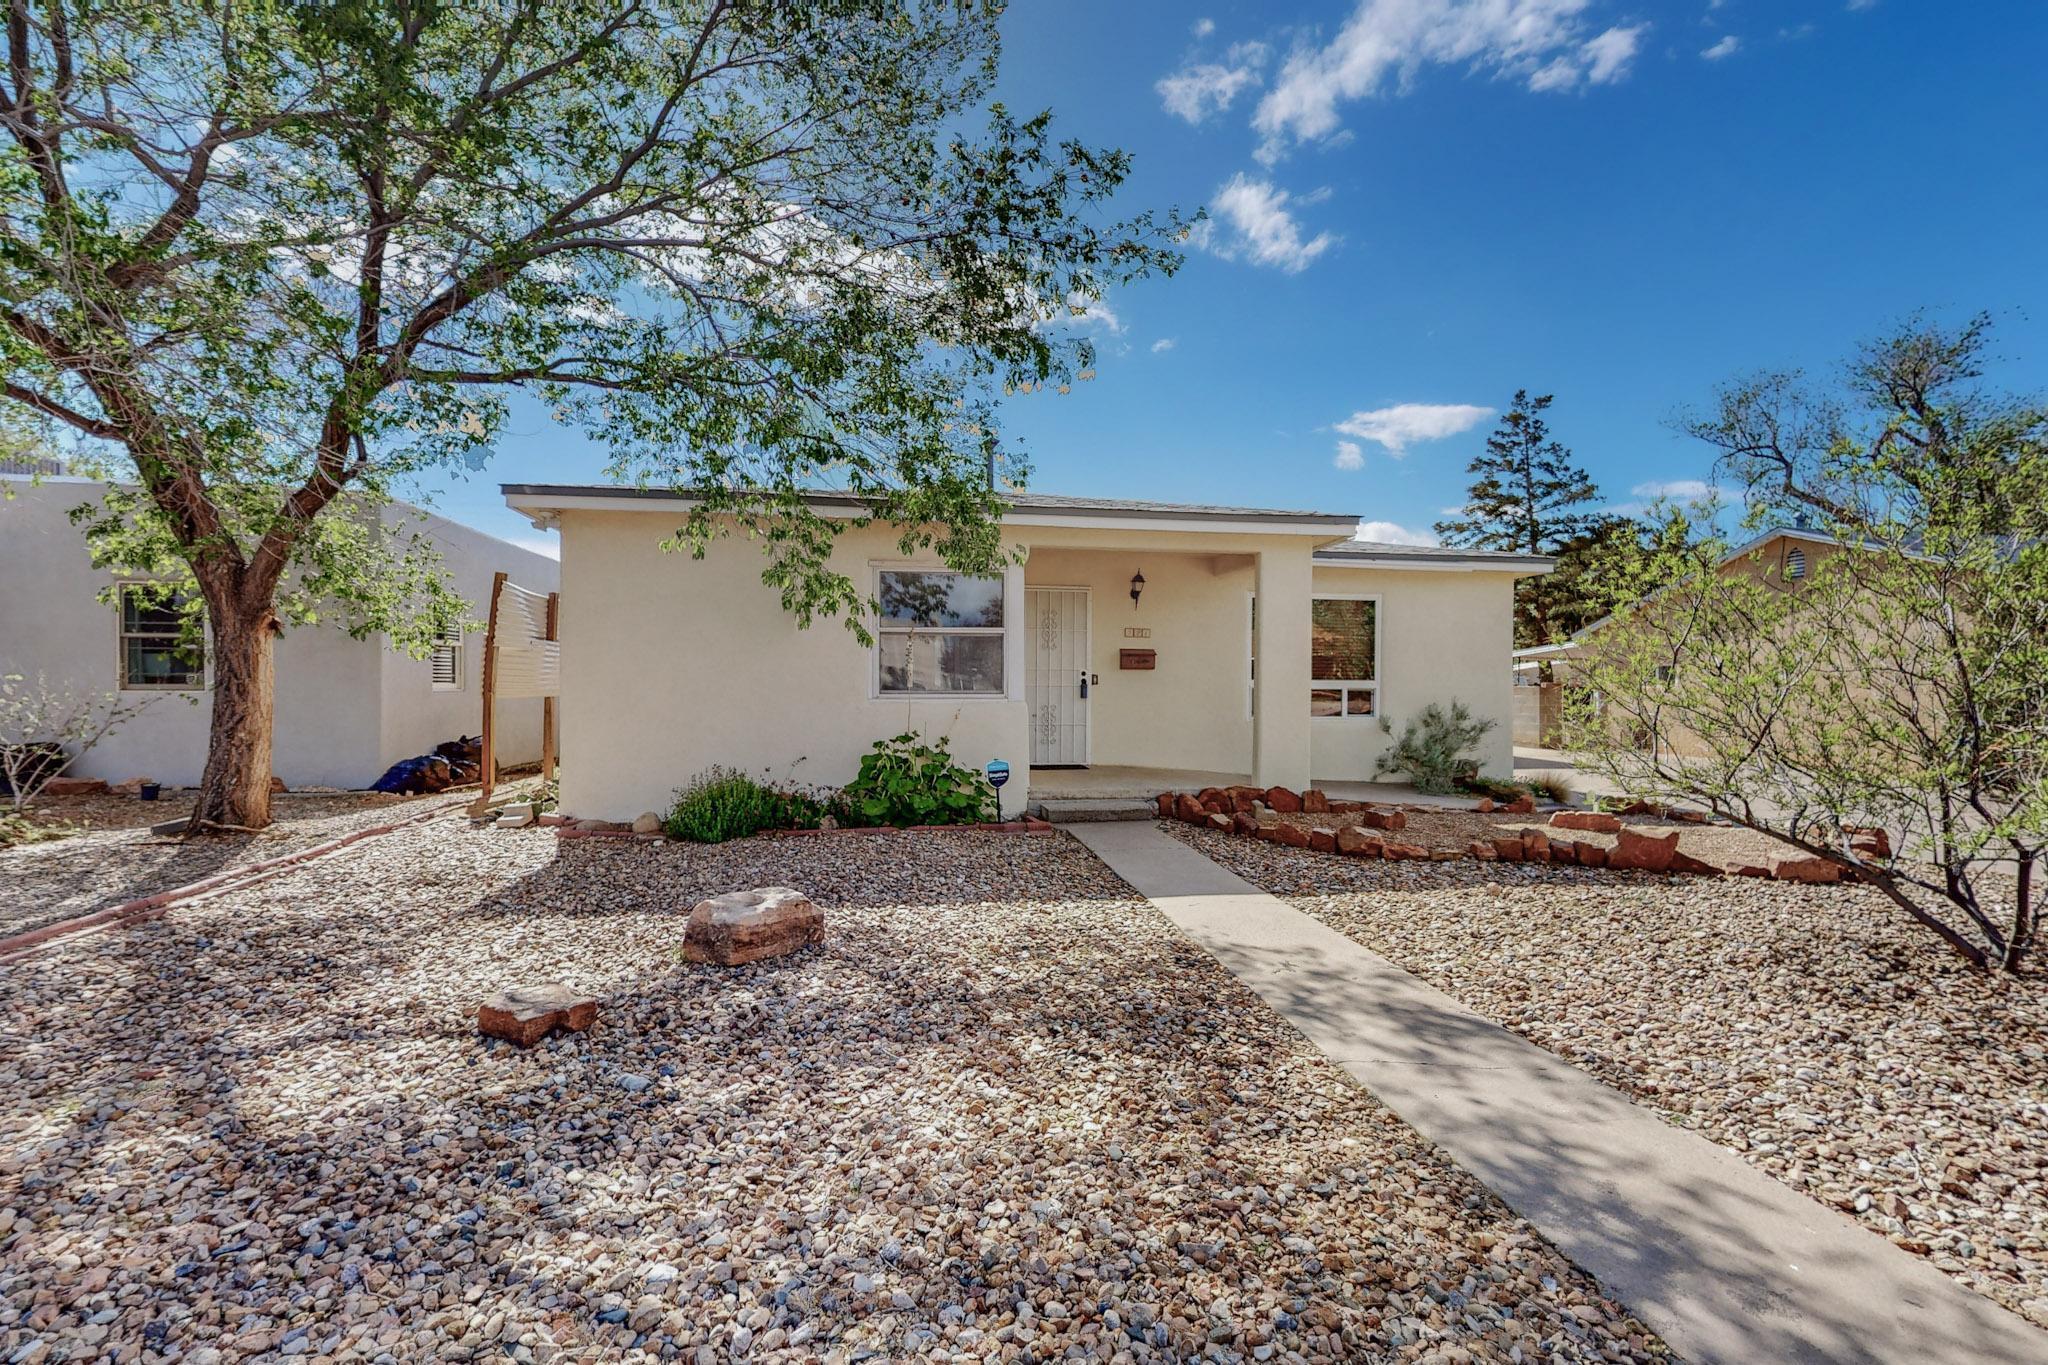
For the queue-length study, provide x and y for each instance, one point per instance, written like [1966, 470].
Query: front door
[1056, 675]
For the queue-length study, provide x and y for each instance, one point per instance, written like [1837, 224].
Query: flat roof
[557, 495]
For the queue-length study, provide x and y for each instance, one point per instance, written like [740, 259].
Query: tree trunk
[2021, 938]
[235, 791]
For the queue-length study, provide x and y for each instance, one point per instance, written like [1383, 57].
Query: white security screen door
[1055, 675]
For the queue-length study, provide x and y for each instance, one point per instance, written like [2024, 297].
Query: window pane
[1341, 639]
[935, 662]
[920, 597]
[1358, 702]
[149, 665]
[143, 613]
[1326, 702]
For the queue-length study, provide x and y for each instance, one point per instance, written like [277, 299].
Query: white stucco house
[1260, 646]
[346, 709]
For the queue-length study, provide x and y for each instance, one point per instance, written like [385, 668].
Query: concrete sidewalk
[1724, 1262]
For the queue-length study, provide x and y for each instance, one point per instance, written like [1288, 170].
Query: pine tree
[1524, 489]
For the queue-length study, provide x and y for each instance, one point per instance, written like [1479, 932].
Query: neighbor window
[447, 659]
[152, 625]
[940, 632]
[1344, 656]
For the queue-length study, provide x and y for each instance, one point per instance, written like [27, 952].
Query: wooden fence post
[487, 765]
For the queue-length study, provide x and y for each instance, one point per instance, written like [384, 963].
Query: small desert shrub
[724, 803]
[19, 829]
[1432, 748]
[911, 781]
[1550, 787]
[1493, 787]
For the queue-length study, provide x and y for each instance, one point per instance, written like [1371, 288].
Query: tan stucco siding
[671, 665]
[1444, 636]
[1193, 710]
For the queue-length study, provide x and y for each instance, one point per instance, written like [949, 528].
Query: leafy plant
[910, 781]
[1549, 787]
[724, 803]
[19, 829]
[1433, 748]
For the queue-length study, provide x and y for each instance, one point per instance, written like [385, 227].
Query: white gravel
[1004, 1112]
[1814, 1030]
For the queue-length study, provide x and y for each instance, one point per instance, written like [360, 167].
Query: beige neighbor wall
[1193, 710]
[672, 664]
[1444, 636]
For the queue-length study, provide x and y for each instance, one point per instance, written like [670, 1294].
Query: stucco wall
[334, 694]
[671, 665]
[1194, 709]
[414, 716]
[1444, 636]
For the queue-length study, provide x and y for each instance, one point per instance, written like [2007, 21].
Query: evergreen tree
[1522, 499]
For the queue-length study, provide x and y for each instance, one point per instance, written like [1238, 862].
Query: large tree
[1527, 497]
[1888, 711]
[273, 257]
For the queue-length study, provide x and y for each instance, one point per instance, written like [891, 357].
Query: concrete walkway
[1724, 1262]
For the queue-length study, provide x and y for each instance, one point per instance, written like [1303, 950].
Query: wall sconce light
[1137, 586]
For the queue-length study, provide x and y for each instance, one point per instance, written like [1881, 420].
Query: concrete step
[1081, 811]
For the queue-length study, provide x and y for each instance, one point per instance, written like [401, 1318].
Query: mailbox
[1137, 658]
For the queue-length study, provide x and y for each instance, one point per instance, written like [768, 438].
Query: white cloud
[1262, 228]
[1727, 47]
[1673, 488]
[1203, 88]
[1862, 4]
[1392, 533]
[1350, 455]
[1386, 43]
[1080, 311]
[1163, 344]
[1203, 28]
[1608, 56]
[1405, 424]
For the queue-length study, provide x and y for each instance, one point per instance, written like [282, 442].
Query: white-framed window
[940, 633]
[447, 659]
[1344, 657]
[152, 625]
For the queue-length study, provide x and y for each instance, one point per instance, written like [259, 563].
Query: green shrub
[1550, 787]
[1432, 749]
[724, 803]
[909, 781]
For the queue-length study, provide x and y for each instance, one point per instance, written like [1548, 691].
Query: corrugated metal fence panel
[529, 669]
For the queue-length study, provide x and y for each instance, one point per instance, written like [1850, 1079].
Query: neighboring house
[346, 709]
[671, 665]
[1784, 555]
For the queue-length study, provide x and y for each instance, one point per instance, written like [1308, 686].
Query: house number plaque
[1137, 658]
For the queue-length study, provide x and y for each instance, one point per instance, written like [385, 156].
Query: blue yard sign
[998, 773]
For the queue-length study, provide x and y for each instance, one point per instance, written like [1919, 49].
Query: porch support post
[1280, 734]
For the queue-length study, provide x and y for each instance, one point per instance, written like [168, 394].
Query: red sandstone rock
[746, 926]
[1682, 861]
[1592, 821]
[1244, 823]
[1283, 800]
[1413, 852]
[1869, 842]
[1166, 805]
[1219, 822]
[1565, 851]
[75, 786]
[1242, 799]
[1508, 850]
[1752, 870]
[527, 1014]
[1637, 852]
[1314, 802]
[1358, 844]
[1481, 850]
[1812, 871]
[1382, 819]
[1189, 809]
[1591, 855]
[1535, 845]
[1521, 805]
[1485, 806]
[1323, 840]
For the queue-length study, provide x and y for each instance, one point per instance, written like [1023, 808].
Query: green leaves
[1434, 748]
[911, 781]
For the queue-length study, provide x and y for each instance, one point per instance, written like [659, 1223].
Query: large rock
[1812, 871]
[746, 926]
[75, 786]
[1283, 800]
[527, 1014]
[1357, 843]
[1323, 840]
[1315, 802]
[1589, 855]
[1383, 819]
[647, 822]
[1634, 851]
[1293, 836]
[1592, 821]
[1244, 823]
[1189, 809]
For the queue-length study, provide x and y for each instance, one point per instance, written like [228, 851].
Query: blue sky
[1419, 206]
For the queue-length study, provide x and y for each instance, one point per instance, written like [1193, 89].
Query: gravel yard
[963, 1128]
[115, 858]
[1812, 1029]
